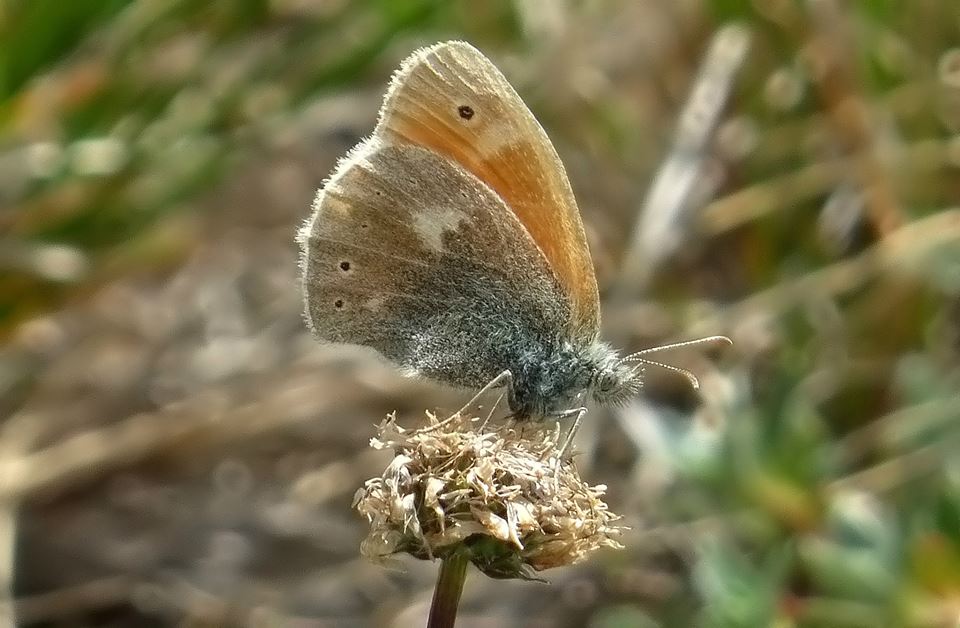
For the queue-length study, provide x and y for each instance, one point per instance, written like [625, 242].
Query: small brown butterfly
[450, 242]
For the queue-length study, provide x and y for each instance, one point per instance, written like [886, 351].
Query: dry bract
[499, 493]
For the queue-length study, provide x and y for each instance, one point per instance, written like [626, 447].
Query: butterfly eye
[607, 382]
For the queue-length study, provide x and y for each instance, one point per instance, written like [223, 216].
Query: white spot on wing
[431, 224]
[376, 302]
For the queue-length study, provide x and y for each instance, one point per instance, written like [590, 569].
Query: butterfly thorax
[547, 384]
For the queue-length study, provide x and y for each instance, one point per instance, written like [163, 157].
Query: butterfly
[450, 241]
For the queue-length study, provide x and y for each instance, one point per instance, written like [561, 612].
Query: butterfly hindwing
[408, 253]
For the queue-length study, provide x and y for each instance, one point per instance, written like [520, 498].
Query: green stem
[446, 596]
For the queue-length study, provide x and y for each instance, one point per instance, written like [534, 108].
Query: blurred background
[175, 450]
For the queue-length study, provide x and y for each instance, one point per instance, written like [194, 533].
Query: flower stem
[446, 596]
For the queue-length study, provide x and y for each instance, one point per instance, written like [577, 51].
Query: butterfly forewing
[450, 99]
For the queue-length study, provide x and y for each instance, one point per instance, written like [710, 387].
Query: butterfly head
[615, 381]
[617, 378]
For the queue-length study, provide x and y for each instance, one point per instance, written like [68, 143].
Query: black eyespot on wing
[364, 225]
[466, 111]
[338, 304]
[344, 266]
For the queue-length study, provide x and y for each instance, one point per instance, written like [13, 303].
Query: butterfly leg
[503, 379]
[493, 409]
[578, 413]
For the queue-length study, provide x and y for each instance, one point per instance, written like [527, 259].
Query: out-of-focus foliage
[176, 450]
[117, 115]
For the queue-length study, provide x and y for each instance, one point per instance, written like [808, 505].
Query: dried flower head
[502, 494]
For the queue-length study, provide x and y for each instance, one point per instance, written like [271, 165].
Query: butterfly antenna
[675, 345]
[694, 382]
[676, 369]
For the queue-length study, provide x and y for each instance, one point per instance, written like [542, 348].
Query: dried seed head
[500, 493]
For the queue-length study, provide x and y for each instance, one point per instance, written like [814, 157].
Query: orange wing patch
[451, 99]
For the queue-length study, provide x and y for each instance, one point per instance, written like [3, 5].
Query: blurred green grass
[115, 115]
